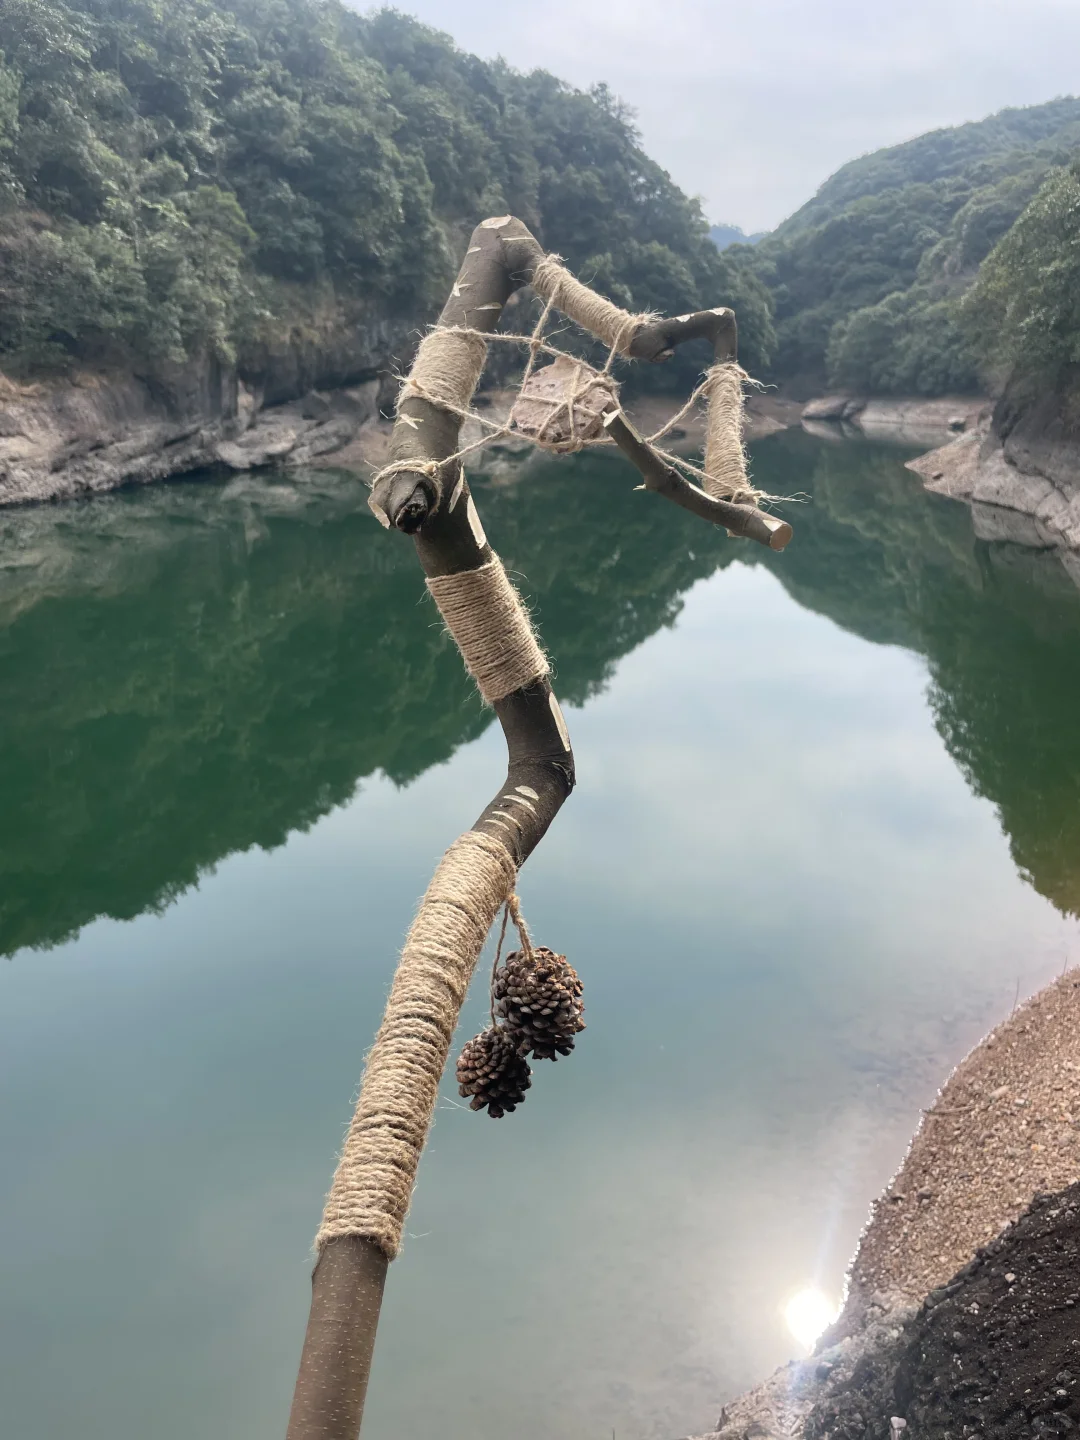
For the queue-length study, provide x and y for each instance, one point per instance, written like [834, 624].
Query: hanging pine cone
[493, 1070]
[539, 997]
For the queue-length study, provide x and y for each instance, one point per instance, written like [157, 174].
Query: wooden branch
[744, 520]
[658, 342]
[348, 1280]
[347, 1283]
[500, 258]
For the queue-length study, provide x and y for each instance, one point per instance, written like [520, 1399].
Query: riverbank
[1024, 492]
[1017, 465]
[962, 1261]
[95, 432]
[901, 419]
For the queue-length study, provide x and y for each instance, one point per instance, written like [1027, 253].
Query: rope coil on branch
[725, 474]
[486, 617]
[601, 317]
[373, 1183]
[447, 368]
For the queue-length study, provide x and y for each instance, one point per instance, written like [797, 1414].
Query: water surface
[827, 829]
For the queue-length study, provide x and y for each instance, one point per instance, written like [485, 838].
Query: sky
[752, 106]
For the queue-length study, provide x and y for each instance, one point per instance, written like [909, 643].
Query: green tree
[1024, 309]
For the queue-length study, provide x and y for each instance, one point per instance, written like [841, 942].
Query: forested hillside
[188, 176]
[193, 178]
[866, 276]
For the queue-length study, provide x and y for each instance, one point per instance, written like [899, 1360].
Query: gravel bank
[1004, 1129]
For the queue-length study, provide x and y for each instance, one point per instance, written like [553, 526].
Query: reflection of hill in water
[999, 626]
[190, 671]
[194, 670]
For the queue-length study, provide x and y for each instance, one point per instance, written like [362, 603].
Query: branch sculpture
[423, 492]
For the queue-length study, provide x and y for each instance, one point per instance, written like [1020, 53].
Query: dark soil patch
[994, 1354]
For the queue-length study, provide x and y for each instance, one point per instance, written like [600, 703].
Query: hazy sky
[752, 106]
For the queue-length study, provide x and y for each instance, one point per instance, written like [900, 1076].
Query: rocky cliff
[1018, 469]
[98, 430]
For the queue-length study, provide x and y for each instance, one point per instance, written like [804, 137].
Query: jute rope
[447, 367]
[450, 360]
[496, 431]
[608, 322]
[725, 454]
[373, 1184]
[484, 614]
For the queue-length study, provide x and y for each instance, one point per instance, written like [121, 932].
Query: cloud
[753, 106]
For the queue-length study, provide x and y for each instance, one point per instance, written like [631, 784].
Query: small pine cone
[539, 999]
[493, 1070]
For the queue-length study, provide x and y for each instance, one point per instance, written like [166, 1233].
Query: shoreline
[95, 432]
[972, 1173]
[1037, 506]
[1020, 480]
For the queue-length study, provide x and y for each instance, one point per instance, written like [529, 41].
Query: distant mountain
[724, 235]
[965, 152]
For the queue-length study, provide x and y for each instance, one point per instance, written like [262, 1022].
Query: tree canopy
[175, 177]
[865, 277]
[1024, 308]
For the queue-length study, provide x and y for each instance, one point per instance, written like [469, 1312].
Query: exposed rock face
[833, 407]
[907, 421]
[1017, 465]
[67, 439]
[1022, 504]
[305, 397]
[1019, 471]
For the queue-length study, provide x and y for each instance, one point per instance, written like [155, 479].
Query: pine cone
[539, 999]
[493, 1070]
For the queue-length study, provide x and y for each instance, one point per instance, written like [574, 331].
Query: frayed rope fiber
[373, 1184]
[608, 322]
[484, 614]
[447, 368]
[725, 475]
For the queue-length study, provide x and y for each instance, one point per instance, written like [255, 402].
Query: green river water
[827, 829]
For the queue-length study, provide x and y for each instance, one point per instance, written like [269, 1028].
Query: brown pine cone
[493, 1070]
[539, 998]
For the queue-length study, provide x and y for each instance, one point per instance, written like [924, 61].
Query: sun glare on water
[808, 1315]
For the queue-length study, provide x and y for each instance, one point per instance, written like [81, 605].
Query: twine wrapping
[373, 1184]
[484, 614]
[447, 368]
[725, 475]
[608, 322]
